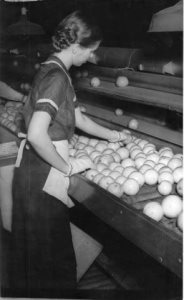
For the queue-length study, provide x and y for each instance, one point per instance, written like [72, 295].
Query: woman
[6, 172]
[44, 261]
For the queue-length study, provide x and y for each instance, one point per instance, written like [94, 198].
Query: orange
[113, 165]
[121, 179]
[116, 157]
[145, 168]
[84, 139]
[143, 143]
[158, 166]
[172, 206]
[106, 172]
[130, 145]
[133, 124]
[94, 154]
[107, 159]
[119, 169]
[89, 149]
[135, 147]
[80, 153]
[179, 187]
[153, 210]
[165, 188]
[178, 155]
[179, 221]
[140, 155]
[130, 187]
[134, 153]
[164, 160]
[138, 177]
[123, 152]
[137, 141]
[128, 170]
[178, 174]
[108, 151]
[122, 81]
[150, 163]
[167, 153]
[97, 159]
[149, 148]
[97, 178]
[115, 189]
[100, 147]
[128, 162]
[139, 162]
[91, 173]
[165, 169]
[105, 182]
[95, 82]
[80, 146]
[153, 156]
[113, 146]
[93, 142]
[118, 112]
[100, 167]
[151, 177]
[166, 176]
[164, 149]
[174, 163]
[114, 174]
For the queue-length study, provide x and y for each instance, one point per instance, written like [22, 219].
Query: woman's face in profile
[82, 55]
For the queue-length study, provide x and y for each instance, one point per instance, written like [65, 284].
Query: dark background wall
[123, 22]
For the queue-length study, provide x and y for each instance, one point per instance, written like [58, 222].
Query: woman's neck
[65, 57]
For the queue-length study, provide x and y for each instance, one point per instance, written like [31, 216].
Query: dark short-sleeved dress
[44, 263]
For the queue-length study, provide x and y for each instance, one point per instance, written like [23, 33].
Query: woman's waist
[27, 151]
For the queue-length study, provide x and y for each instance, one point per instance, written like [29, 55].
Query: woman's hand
[79, 165]
[89, 126]
[120, 136]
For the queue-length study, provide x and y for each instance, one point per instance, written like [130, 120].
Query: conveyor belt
[134, 94]
[103, 115]
[156, 239]
[164, 83]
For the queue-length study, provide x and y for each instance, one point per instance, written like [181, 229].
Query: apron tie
[21, 149]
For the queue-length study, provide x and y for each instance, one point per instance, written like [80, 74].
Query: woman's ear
[75, 49]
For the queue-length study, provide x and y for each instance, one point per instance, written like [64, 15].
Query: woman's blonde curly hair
[75, 28]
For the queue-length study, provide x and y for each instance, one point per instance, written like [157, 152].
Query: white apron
[57, 183]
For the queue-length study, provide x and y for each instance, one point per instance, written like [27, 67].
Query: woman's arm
[38, 137]
[9, 93]
[89, 126]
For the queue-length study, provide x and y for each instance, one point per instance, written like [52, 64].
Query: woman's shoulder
[55, 67]
[56, 75]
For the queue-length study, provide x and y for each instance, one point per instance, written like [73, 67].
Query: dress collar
[59, 61]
